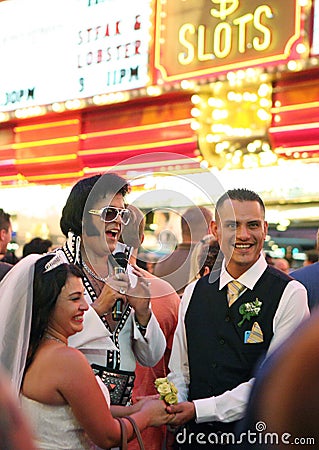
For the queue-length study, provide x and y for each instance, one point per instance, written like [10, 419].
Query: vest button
[227, 319]
[222, 341]
[214, 365]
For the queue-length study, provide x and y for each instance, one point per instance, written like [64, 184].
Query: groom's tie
[234, 290]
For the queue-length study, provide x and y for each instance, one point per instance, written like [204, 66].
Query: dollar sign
[224, 9]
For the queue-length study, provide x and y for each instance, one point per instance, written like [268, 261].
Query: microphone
[122, 261]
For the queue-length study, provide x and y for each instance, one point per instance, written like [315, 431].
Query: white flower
[249, 309]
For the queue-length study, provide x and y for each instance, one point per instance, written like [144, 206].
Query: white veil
[16, 293]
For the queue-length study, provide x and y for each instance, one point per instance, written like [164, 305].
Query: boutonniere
[167, 390]
[248, 310]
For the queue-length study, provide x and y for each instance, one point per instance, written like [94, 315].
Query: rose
[171, 398]
[164, 389]
[159, 381]
[167, 390]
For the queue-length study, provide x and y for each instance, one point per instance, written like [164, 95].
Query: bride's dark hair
[47, 286]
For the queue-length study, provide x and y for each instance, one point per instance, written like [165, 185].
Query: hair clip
[56, 261]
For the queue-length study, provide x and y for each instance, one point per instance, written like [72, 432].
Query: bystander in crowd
[37, 245]
[175, 268]
[5, 238]
[309, 277]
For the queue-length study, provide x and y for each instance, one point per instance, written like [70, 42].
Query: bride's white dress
[55, 427]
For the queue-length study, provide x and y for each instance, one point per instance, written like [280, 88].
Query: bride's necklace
[53, 338]
[90, 272]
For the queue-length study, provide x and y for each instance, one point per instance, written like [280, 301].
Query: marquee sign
[59, 50]
[200, 37]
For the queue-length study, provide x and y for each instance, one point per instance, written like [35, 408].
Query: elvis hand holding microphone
[121, 260]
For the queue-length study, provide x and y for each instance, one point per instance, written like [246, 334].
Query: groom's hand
[183, 412]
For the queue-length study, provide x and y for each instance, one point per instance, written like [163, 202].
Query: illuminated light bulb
[220, 114]
[231, 95]
[263, 77]
[267, 158]
[236, 160]
[263, 115]
[153, 91]
[186, 84]
[277, 118]
[219, 148]
[264, 103]
[4, 117]
[251, 147]
[251, 73]
[210, 138]
[265, 147]
[301, 48]
[263, 90]
[292, 65]
[195, 112]
[304, 155]
[296, 155]
[231, 76]
[195, 126]
[57, 107]
[277, 103]
[195, 99]
[204, 164]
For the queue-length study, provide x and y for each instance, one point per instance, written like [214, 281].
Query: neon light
[242, 22]
[55, 176]
[222, 29]
[128, 148]
[9, 178]
[153, 126]
[182, 38]
[294, 107]
[225, 10]
[46, 159]
[39, 126]
[126, 167]
[289, 128]
[302, 148]
[45, 142]
[257, 44]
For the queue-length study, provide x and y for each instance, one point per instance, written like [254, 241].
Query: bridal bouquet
[167, 390]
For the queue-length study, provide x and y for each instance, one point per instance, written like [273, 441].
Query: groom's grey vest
[219, 359]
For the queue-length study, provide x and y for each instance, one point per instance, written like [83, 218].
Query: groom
[221, 336]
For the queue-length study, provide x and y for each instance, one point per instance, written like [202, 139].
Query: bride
[42, 303]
